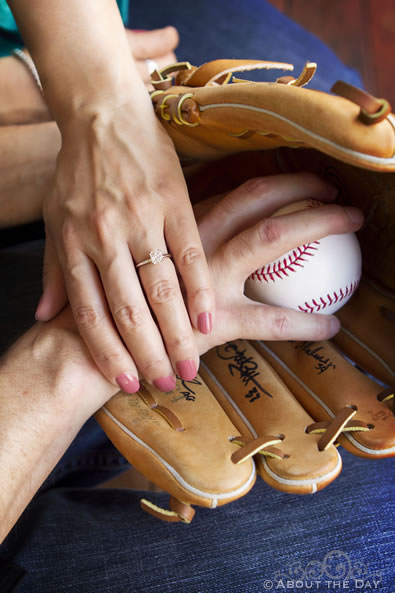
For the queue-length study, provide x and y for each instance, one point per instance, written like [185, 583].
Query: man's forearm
[28, 157]
[48, 389]
[80, 49]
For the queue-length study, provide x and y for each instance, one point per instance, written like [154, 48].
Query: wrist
[51, 367]
[104, 93]
[44, 401]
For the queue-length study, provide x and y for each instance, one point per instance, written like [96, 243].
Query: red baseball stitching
[289, 263]
[320, 304]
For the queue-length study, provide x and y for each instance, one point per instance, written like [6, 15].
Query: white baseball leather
[318, 277]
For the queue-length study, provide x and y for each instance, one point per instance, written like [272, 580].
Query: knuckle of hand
[190, 256]
[151, 368]
[87, 317]
[108, 358]
[181, 342]
[162, 292]
[269, 231]
[128, 317]
[280, 326]
[256, 185]
[241, 250]
[202, 293]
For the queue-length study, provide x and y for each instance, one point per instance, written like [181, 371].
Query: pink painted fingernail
[205, 322]
[165, 384]
[128, 383]
[186, 369]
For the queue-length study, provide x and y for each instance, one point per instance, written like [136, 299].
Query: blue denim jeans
[75, 538]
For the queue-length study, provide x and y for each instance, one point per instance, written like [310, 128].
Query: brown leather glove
[202, 454]
[347, 139]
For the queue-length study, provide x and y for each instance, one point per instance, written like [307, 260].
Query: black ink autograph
[323, 363]
[245, 366]
[185, 391]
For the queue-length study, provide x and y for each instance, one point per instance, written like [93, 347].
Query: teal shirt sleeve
[10, 37]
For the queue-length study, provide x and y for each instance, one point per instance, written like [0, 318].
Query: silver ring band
[155, 257]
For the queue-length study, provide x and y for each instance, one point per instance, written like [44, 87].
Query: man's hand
[157, 45]
[239, 236]
[49, 386]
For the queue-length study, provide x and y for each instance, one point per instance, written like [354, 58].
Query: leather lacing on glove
[388, 396]
[330, 430]
[183, 512]
[179, 511]
[183, 110]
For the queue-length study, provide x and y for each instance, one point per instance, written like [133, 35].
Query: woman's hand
[244, 239]
[119, 194]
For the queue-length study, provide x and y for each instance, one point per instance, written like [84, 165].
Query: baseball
[318, 277]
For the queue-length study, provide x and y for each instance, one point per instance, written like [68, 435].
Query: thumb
[54, 296]
[151, 44]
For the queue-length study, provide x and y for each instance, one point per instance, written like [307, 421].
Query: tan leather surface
[193, 465]
[282, 115]
[324, 383]
[368, 330]
[262, 405]
[217, 69]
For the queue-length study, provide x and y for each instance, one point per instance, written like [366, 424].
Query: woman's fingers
[54, 296]
[134, 320]
[255, 199]
[163, 292]
[184, 242]
[272, 237]
[95, 324]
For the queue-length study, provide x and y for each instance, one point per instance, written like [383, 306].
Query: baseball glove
[286, 405]
[347, 138]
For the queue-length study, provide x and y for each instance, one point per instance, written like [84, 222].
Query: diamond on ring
[155, 257]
